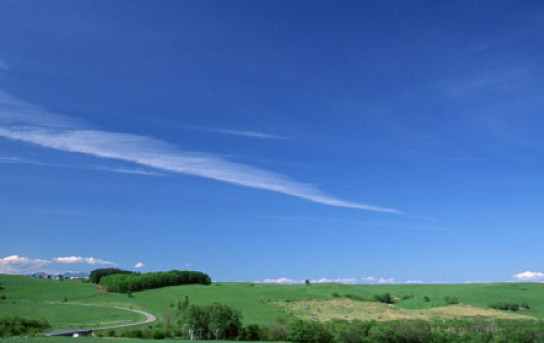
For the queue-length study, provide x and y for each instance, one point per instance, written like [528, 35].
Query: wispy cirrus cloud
[19, 160]
[134, 171]
[23, 122]
[244, 133]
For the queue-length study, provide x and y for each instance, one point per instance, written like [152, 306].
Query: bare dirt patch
[323, 310]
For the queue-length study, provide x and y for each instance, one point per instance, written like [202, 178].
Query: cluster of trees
[98, 274]
[127, 283]
[510, 306]
[15, 326]
[194, 322]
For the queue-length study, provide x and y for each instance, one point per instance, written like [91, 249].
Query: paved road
[149, 318]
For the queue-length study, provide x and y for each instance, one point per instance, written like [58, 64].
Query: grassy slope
[43, 299]
[252, 299]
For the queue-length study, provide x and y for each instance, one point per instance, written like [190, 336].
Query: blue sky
[364, 141]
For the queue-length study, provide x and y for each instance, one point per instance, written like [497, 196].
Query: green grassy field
[257, 302]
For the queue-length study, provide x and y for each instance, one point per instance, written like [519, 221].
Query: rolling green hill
[259, 303]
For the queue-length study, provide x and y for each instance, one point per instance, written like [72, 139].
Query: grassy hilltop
[56, 301]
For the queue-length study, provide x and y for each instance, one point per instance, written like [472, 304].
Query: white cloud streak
[529, 276]
[132, 171]
[244, 133]
[19, 160]
[139, 265]
[23, 122]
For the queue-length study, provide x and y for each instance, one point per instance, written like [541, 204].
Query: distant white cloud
[82, 260]
[386, 281]
[347, 281]
[287, 281]
[139, 265]
[413, 282]
[529, 276]
[16, 264]
[368, 279]
[282, 280]
[24, 122]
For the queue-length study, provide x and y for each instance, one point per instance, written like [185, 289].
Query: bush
[385, 298]
[451, 300]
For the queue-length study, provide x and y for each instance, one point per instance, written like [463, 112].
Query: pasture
[259, 303]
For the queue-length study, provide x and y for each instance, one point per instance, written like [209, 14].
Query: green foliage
[15, 326]
[252, 332]
[98, 274]
[123, 283]
[385, 298]
[426, 298]
[308, 332]
[215, 321]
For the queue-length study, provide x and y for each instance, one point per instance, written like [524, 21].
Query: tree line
[133, 282]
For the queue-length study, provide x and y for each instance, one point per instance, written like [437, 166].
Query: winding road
[149, 318]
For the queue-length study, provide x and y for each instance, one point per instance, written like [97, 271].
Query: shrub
[508, 306]
[385, 298]
[15, 326]
[451, 300]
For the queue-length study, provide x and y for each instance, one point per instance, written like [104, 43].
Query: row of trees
[126, 283]
[15, 326]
